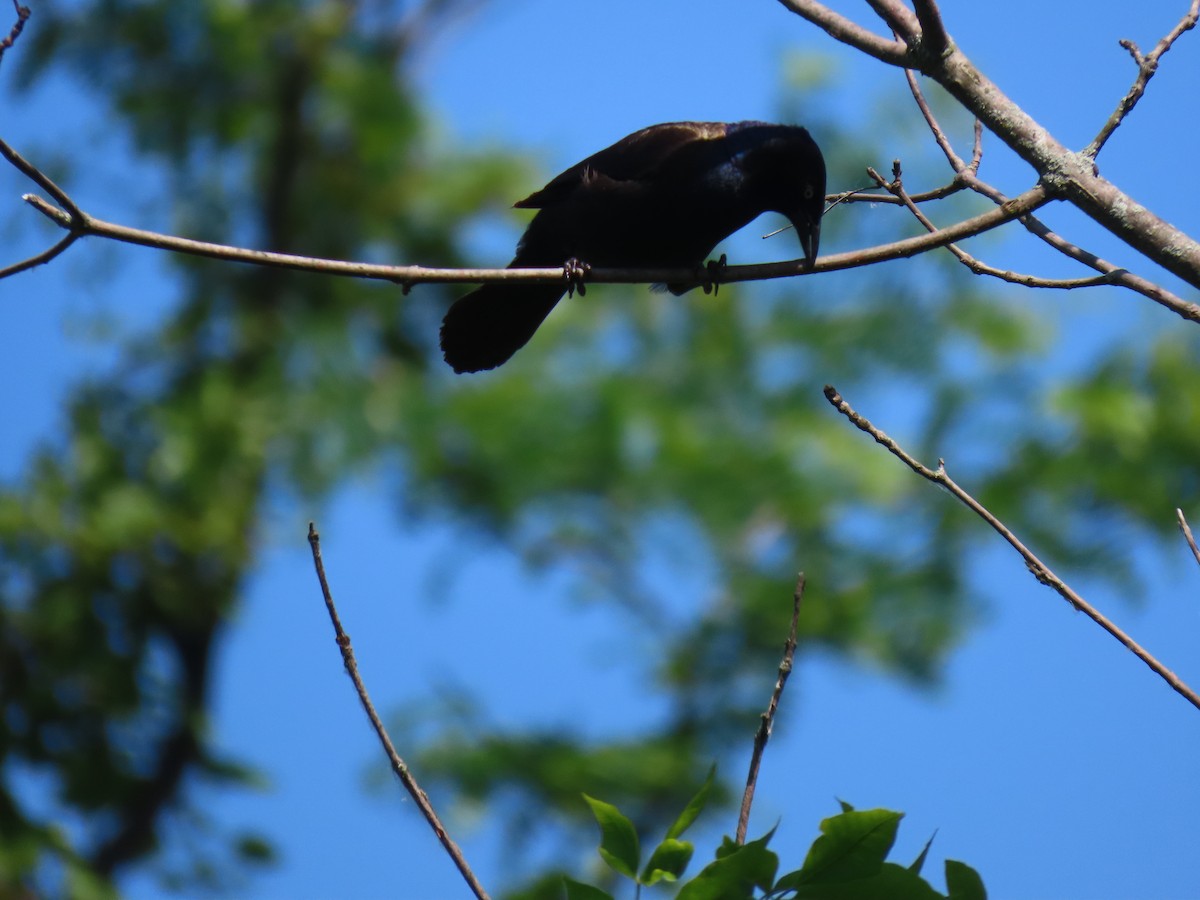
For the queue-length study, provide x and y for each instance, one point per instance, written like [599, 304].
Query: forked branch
[1070, 176]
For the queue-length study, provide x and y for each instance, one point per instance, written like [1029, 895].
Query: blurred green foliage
[293, 126]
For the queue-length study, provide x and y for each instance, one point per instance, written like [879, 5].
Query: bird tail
[487, 326]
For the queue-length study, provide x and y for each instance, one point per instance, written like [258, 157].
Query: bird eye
[808, 192]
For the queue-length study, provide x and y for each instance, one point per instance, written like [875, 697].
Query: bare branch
[934, 39]
[861, 196]
[23, 14]
[899, 18]
[1187, 534]
[842, 29]
[40, 258]
[42, 180]
[1068, 175]
[1039, 569]
[768, 717]
[398, 766]
[956, 162]
[1147, 66]
[412, 275]
[966, 175]
[896, 187]
[1115, 273]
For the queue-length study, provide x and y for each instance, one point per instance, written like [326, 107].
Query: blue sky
[1050, 759]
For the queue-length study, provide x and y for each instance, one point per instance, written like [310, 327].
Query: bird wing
[633, 158]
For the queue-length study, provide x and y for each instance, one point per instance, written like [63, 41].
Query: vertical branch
[1187, 534]
[398, 766]
[768, 717]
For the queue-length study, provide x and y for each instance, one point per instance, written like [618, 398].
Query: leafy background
[575, 574]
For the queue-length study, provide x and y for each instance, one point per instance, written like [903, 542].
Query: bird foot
[712, 272]
[574, 272]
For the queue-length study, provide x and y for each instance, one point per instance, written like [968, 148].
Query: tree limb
[1039, 569]
[966, 175]
[1066, 174]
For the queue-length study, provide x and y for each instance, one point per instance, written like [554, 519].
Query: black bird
[664, 196]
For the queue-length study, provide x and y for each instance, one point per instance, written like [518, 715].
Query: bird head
[800, 170]
[787, 172]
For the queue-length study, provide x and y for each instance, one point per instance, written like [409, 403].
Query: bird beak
[809, 232]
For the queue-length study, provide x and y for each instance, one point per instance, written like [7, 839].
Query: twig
[1037, 568]
[22, 14]
[1119, 276]
[1147, 66]
[896, 187]
[861, 196]
[398, 765]
[73, 214]
[768, 717]
[955, 160]
[1187, 534]
[39, 258]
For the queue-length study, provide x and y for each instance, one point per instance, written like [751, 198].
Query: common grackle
[663, 196]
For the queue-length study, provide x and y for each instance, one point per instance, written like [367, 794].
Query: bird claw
[574, 272]
[712, 271]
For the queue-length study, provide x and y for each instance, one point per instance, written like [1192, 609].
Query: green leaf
[852, 846]
[577, 890]
[618, 838]
[668, 861]
[920, 860]
[695, 805]
[963, 882]
[890, 882]
[735, 873]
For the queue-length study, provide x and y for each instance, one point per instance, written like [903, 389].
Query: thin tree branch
[1118, 275]
[398, 766]
[412, 275]
[767, 721]
[42, 180]
[896, 187]
[956, 162]
[1187, 534]
[1147, 66]
[1039, 570]
[39, 258]
[859, 196]
[23, 14]
[842, 29]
